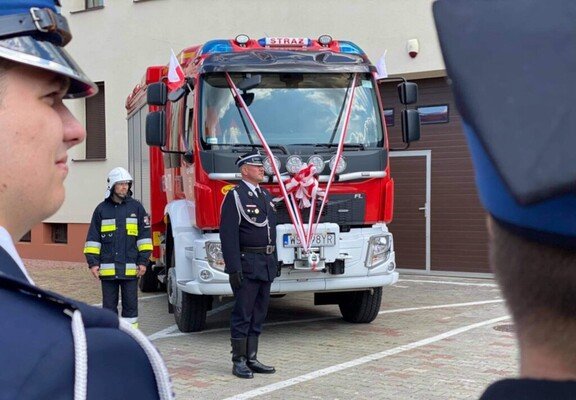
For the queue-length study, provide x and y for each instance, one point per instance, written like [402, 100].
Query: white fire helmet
[118, 174]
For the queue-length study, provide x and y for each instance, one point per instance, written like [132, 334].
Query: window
[96, 125]
[27, 237]
[94, 3]
[434, 114]
[59, 233]
[290, 108]
[389, 116]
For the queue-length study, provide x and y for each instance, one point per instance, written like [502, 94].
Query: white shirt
[252, 187]
[7, 244]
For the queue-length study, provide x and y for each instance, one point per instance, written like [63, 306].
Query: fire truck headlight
[294, 164]
[214, 255]
[379, 248]
[318, 162]
[341, 164]
[268, 165]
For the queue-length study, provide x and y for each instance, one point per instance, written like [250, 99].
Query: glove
[235, 279]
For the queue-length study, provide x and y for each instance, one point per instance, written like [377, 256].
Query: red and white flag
[175, 73]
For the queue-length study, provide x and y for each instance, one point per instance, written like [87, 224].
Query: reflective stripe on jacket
[118, 238]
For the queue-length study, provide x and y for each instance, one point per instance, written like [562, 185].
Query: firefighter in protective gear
[95, 354]
[118, 245]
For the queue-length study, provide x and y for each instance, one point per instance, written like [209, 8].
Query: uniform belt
[265, 250]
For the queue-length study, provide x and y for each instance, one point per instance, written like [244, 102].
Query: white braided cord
[160, 371]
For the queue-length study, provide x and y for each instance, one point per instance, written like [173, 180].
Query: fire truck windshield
[290, 108]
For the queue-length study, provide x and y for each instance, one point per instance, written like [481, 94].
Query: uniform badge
[257, 211]
[146, 221]
[250, 194]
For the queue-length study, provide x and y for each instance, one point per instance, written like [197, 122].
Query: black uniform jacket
[37, 352]
[530, 389]
[237, 233]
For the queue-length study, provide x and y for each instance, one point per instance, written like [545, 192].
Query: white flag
[381, 71]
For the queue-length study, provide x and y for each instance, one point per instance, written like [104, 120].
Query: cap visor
[45, 55]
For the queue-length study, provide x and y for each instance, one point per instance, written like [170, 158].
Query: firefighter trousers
[111, 289]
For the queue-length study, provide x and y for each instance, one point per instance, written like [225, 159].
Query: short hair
[538, 282]
[5, 65]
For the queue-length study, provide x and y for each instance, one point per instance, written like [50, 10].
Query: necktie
[261, 199]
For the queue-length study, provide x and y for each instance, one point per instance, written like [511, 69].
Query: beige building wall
[116, 43]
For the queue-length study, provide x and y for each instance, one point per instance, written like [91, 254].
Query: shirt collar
[7, 244]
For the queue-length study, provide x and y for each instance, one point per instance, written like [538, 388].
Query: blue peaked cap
[512, 72]
[9, 7]
[252, 158]
[33, 32]
[552, 220]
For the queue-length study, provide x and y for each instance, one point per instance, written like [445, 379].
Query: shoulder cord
[81, 358]
[247, 218]
[158, 366]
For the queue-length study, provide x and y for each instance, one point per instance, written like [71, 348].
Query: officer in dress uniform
[52, 347]
[512, 66]
[248, 236]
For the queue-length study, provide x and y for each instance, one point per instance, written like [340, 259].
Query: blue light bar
[349, 47]
[217, 46]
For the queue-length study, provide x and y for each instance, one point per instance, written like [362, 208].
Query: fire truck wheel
[149, 281]
[190, 316]
[362, 306]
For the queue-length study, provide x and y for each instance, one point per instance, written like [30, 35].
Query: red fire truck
[313, 109]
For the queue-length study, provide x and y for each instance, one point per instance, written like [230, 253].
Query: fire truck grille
[343, 209]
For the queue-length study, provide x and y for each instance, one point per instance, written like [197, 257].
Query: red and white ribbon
[304, 186]
[302, 189]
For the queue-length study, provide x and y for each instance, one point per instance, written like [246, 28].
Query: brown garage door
[458, 230]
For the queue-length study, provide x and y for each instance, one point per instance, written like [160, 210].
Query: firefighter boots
[253, 363]
[240, 369]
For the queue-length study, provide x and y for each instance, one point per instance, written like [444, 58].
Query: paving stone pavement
[435, 338]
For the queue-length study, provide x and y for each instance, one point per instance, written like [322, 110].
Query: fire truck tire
[191, 315]
[149, 281]
[361, 307]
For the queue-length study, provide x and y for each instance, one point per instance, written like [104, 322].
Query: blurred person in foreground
[512, 66]
[52, 347]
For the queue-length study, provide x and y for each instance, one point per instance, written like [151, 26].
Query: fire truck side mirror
[408, 92]
[156, 128]
[156, 94]
[410, 126]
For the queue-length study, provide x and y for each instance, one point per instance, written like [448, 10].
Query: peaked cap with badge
[251, 158]
[512, 67]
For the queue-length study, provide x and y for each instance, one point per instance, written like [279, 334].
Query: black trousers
[111, 292]
[250, 308]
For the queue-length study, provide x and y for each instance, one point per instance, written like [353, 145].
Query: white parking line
[167, 332]
[450, 282]
[362, 360]
[140, 298]
[472, 303]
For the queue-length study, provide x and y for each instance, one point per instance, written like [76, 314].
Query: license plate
[318, 240]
